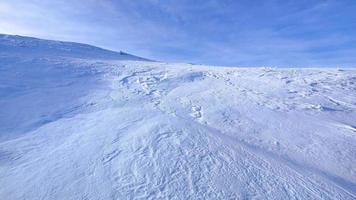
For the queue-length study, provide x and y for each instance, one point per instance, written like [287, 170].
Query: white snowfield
[81, 123]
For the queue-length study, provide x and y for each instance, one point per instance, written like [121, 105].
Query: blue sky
[219, 32]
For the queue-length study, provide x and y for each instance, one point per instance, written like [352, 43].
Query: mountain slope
[12, 45]
[89, 128]
[43, 80]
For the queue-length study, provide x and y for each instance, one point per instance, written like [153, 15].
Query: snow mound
[79, 122]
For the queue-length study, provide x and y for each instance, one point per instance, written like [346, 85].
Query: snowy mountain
[32, 47]
[80, 122]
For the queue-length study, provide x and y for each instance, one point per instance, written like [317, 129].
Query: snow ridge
[33, 47]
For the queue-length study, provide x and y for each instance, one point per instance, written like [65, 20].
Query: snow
[86, 123]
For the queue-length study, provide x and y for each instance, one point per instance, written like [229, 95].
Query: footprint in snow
[196, 112]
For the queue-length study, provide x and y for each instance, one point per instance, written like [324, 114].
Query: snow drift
[80, 122]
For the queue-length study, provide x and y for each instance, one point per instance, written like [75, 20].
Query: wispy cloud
[224, 32]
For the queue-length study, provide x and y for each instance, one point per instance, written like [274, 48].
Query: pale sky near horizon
[303, 33]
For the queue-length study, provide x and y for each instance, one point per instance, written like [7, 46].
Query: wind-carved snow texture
[80, 128]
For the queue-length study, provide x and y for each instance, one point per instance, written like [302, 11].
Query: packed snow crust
[79, 122]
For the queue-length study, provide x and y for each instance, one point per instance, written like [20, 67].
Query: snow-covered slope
[42, 81]
[79, 124]
[13, 45]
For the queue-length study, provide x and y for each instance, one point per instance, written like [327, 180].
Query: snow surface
[79, 122]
